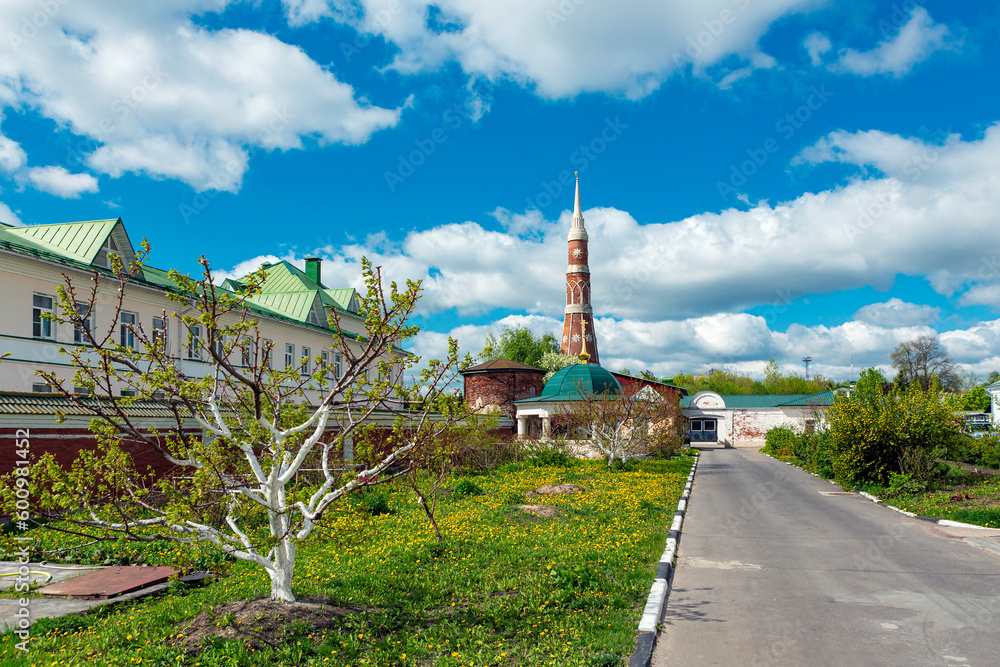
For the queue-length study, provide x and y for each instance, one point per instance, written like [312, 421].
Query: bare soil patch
[553, 489]
[264, 622]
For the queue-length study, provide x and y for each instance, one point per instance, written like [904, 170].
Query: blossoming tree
[240, 433]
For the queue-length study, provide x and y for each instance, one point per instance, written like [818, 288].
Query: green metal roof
[575, 382]
[748, 401]
[81, 241]
[290, 292]
[343, 298]
[287, 293]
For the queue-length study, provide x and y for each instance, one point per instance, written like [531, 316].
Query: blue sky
[760, 179]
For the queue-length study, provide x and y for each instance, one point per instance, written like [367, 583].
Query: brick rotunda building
[499, 383]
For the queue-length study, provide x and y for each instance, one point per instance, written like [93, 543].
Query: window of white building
[128, 321]
[86, 323]
[41, 310]
[194, 342]
[160, 338]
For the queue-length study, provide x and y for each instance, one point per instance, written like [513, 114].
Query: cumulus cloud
[915, 41]
[153, 92]
[745, 343]
[12, 156]
[660, 303]
[865, 232]
[8, 216]
[561, 49]
[60, 182]
[897, 313]
[816, 45]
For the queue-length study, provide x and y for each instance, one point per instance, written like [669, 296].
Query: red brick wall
[502, 387]
[66, 443]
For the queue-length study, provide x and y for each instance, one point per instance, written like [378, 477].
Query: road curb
[879, 501]
[660, 591]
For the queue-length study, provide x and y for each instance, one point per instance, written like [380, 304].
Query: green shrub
[549, 456]
[778, 441]
[623, 466]
[984, 451]
[816, 450]
[376, 503]
[874, 434]
[467, 487]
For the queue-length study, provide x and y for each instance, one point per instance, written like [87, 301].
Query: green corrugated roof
[287, 294]
[81, 241]
[342, 298]
[296, 305]
[745, 401]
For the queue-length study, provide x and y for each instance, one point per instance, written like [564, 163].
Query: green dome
[567, 384]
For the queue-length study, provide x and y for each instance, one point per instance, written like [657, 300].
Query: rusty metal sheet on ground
[110, 582]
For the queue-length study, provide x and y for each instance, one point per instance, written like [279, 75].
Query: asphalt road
[777, 567]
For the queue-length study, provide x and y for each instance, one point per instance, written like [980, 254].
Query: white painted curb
[660, 590]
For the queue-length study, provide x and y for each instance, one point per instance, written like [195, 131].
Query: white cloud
[8, 216]
[249, 266]
[897, 313]
[916, 40]
[816, 45]
[745, 343]
[670, 294]
[561, 48]
[981, 295]
[152, 92]
[12, 156]
[60, 182]
[865, 232]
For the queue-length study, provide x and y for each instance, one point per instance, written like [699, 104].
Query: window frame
[127, 329]
[88, 322]
[193, 348]
[42, 328]
[161, 332]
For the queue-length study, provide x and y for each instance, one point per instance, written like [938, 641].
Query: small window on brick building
[41, 388]
[531, 392]
[83, 391]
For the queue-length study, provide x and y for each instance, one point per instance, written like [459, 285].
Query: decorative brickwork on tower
[579, 334]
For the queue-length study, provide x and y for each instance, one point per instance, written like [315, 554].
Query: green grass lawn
[506, 588]
[963, 497]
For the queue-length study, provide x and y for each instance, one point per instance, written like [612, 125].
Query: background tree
[873, 434]
[554, 362]
[917, 361]
[623, 426]
[519, 344]
[976, 399]
[731, 382]
[236, 486]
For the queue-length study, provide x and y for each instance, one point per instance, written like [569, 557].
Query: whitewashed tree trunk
[282, 571]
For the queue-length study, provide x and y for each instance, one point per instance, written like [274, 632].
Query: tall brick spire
[578, 308]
